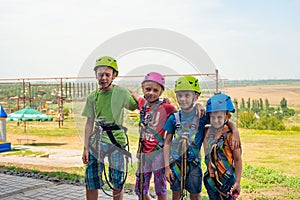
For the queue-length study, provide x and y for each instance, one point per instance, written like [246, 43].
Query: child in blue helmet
[224, 163]
[185, 124]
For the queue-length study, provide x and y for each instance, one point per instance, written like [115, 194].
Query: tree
[255, 106]
[242, 107]
[283, 103]
[267, 104]
[249, 104]
[261, 104]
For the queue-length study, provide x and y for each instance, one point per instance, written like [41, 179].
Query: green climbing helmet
[107, 61]
[187, 83]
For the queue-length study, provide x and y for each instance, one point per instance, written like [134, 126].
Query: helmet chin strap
[104, 88]
[192, 105]
[154, 101]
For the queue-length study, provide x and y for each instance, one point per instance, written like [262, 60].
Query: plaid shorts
[94, 169]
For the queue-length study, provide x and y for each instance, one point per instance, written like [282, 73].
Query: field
[271, 159]
[274, 93]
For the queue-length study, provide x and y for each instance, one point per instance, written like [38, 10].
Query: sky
[244, 39]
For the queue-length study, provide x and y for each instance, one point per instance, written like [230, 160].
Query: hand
[85, 156]
[166, 100]
[169, 175]
[135, 96]
[235, 190]
[200, 110]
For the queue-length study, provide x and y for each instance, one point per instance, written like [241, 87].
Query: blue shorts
[193, 180]
[94, 169]
[212, 192]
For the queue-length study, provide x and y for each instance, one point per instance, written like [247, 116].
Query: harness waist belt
[108, 130]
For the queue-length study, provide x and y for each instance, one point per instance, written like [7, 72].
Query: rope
[184, 145]
[107, 180]
[140, 167]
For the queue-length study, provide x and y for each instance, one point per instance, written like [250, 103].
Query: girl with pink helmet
[153, 115]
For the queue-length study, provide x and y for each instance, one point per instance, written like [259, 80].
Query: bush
[66, 111]
[265, 122]
[269, 123]
[295, 128]
[246, 119]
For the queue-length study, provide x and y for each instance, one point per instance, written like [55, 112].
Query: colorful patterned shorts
[160, 181]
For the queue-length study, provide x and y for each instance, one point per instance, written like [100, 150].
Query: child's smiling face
[105, 76]
[151, 91]
[217, 119]
[186, 100]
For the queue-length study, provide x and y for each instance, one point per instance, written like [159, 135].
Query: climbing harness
[186, 143]
[220, 170]
[145, 126]
[101, 126]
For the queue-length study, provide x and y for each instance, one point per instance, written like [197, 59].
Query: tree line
[259, 114]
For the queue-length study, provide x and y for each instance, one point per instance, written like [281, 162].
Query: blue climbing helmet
[219, 102]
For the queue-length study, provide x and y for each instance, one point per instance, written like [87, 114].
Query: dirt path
[51, 157]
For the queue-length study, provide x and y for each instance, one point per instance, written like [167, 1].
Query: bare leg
[175, 195]
[91, 194]
[146, 197]
[195, 196]
[118, 194]
[164, 197]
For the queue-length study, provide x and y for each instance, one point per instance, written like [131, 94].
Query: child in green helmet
[224, 163]
[184, 128]
[104, 110]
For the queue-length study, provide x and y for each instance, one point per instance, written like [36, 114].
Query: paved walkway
[22, 188]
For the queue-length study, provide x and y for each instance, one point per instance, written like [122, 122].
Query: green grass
[71, 173]
[23, 153]
[42, 129]
[273, 149]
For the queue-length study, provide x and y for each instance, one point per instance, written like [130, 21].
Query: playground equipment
[4, 146]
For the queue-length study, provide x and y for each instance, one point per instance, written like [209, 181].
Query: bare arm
[238, 170]
[135, 95]
[175, 110]
[235, 142]
[200, 110]
[168, 172]
[87, 132]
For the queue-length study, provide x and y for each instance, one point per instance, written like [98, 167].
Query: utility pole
[217, 81]
[60, 105]
[24, 93]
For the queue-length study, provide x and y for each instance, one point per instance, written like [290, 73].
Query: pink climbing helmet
[155, 77]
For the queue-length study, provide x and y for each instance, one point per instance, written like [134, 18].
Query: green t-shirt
[110, 104]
